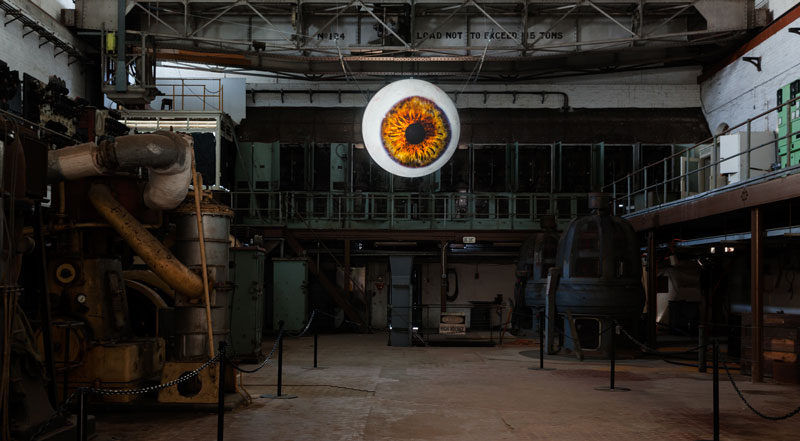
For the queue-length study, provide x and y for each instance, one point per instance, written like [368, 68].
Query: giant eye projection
[411, 128]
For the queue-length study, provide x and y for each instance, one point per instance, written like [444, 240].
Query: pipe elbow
[166, 155]
[167, 186]
[159, 150]
[146, 246]
[166, 190]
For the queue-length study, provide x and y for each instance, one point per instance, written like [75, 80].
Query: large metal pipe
[152, 252]
[196, 182]
[166, 155]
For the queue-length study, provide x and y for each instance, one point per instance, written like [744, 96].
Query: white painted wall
[594, 96]
[657, 88]
[25, 55]
[491, 280]
[778, 7]
[53, 7]
[739, 91]
[686, 76]
[661, 88]
[233, 91]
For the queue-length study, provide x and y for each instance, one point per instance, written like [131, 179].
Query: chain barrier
[647, 349]
[266, 361]
[650, 350]
[361, 325]
[307, 327]
[99, 391]
[750, 406]
[158, 387]
[58, 414]
[564, 334]
[633, 339]
[222, 353]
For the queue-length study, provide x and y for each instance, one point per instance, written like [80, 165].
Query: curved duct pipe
[167, 156]
[153, 252]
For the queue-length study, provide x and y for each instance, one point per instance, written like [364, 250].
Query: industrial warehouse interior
[400, 220]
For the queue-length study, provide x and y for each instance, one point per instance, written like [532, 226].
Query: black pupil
[415, 133]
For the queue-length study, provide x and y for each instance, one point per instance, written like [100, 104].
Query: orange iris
[415, 132]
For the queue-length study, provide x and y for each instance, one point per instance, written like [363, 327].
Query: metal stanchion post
[715, 398]
[540, 316]
[541, 341]
[280, 362]
[701, 354]
[316, 341]
[83, 431]
[280, 394]
[715, 361]
[613, 356]
[611, 387]
[67, 336]
[221, 393]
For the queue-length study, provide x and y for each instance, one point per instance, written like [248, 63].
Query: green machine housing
[247, 306]
[257, 170]
[789, 119]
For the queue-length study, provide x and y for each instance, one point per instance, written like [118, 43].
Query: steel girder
[521, 39]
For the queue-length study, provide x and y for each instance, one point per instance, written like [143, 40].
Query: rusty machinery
[122, 294]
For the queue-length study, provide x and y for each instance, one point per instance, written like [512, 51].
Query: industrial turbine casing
[601, 282]
[601, 269]
[537, 256]
[382, 104]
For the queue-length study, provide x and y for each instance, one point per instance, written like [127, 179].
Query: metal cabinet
[789, 120]
[258, 166]
[289, 293]
[760, 158]
[247, 308]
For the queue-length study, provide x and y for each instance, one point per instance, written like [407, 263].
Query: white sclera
[380, 105]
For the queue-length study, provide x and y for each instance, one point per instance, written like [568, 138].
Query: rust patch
[207, 207]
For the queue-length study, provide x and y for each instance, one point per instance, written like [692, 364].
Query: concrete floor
[369, 391]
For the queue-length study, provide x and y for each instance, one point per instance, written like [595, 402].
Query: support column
[121, 71]
[401, 300]
[756, 293]
[652, 288]
[346, 268]
[44, 306]
[443, 281]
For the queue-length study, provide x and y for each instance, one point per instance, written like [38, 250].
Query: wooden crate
[780, 342]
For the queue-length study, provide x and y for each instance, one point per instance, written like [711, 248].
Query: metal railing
[190, 88]
[394, 209]
[626, 189]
